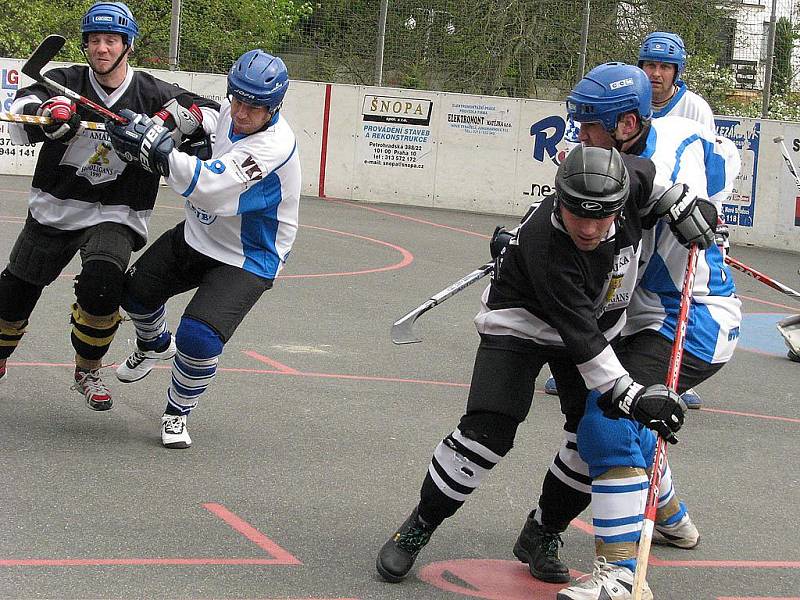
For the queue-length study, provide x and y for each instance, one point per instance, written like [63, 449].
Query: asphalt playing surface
[312, 442]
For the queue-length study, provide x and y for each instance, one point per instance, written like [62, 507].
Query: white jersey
[685, 152]
[242, 204]
[685, 103]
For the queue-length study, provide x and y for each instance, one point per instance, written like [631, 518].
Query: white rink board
[477, 153]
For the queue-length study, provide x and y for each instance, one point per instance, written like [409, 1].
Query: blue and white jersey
[685, 152]
[685, 103]
[242, 205]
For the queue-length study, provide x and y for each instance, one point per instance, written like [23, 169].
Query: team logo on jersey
[202, 216]
[93, 158]
[251, 170]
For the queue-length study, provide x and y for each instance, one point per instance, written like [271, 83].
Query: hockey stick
[403, 328]
[34, 120]
[775, 285]
[49, 47]
[660, 459]
[788, 160]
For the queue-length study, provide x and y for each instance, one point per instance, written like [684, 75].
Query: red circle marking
[491, 579]
[407, 259]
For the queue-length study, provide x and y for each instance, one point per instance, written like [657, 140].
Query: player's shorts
[225, 293]
[41, 252]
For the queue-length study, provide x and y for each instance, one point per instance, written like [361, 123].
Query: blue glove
[141, 140]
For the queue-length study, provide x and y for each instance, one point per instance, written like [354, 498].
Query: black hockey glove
[498, 246]
[692, 219]
[199, 144]
[721, 235]
[66, 122]
[142, 140]
[655, 406]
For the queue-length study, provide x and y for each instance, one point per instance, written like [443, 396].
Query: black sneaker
[398, 554]
[539, 549]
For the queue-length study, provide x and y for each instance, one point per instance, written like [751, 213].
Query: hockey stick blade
[44, 53]
[403, 328]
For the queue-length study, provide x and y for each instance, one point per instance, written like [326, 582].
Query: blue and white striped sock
[190, 378]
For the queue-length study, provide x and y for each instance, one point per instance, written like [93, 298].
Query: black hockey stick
[403, 328]
[50, 46]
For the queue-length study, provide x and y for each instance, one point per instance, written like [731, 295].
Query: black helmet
[592, 182]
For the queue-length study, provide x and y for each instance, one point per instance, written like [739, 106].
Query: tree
[782, 62]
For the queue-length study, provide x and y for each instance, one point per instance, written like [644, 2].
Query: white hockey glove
[656, 406]
[181, 116]
[141, 140]
[66, 122]
[691, 219]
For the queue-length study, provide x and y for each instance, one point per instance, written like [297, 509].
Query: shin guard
[91, 334]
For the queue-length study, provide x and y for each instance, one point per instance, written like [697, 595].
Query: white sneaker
[682, 534]
[88, 383]
[607, 582]
[174, 433]
[139, 364]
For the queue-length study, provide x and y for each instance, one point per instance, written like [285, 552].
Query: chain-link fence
[538, 48]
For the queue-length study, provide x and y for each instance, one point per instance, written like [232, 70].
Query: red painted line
[407, 259]
[775, 304]
[93, 562]
[753, 415]
[252, 534]
[407, 218]
[323, 155]
[282, 368]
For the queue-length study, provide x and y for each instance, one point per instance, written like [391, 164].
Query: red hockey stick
[660, 458]
[49, 47]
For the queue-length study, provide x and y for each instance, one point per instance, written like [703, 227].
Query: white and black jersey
[84, 182]
[555, 295]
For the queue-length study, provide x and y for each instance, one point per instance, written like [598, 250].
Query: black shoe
[398, 554]
[539, 549]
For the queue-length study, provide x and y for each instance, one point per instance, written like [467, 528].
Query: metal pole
[766, 95]
[584, 39]
[174, 34]
[381, 41]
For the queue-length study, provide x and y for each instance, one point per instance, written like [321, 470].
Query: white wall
[475, 153]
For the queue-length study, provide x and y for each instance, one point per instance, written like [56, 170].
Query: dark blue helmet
[259, 79]
[665, 47]
[110, 17]
[609, 91]
[592, 182]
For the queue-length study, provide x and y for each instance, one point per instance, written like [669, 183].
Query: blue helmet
[258, 79]
[665, 47]
[607, 92]
[110, 17]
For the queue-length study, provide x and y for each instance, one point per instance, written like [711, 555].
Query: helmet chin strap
[619, 143]
[114, 66]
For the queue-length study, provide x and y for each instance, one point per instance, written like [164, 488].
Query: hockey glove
[691, 219]
[721, 235]
[181, 116]
[66, 122]
[655, 406]
[141, 140]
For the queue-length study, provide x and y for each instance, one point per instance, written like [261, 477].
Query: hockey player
[240, 224]
[612, 105]
[83, 197]
[557, 296]
[662, 57]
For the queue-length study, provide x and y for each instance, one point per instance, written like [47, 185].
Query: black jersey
[84, 182]
[553, 294]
